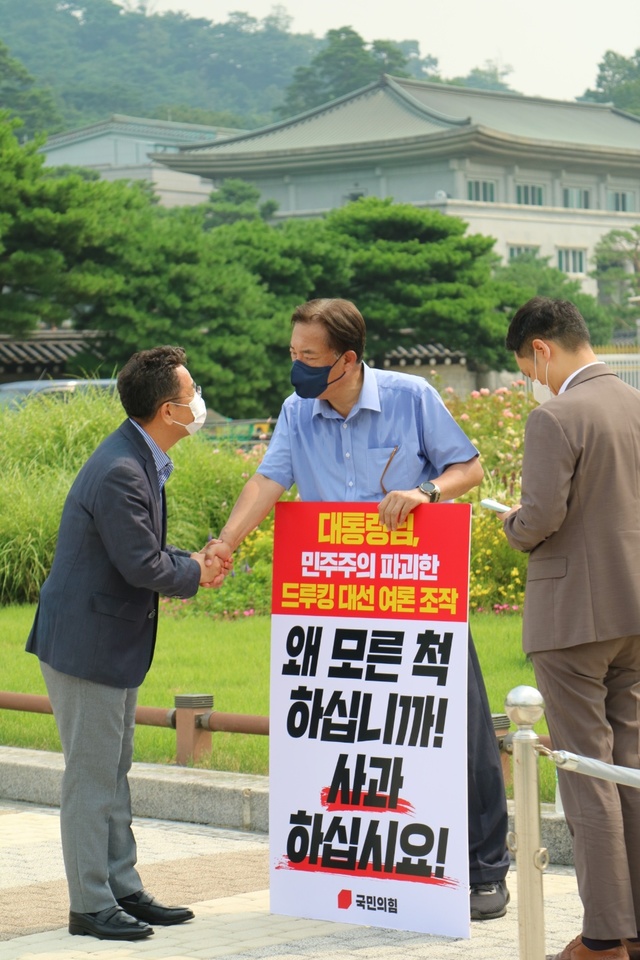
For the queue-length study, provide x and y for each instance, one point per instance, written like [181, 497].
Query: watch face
[430, 490]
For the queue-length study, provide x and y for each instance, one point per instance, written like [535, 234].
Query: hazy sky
[553, 46]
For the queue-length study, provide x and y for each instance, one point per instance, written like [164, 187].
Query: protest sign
[368, 758]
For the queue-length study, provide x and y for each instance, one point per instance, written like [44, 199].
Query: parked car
[12, 394]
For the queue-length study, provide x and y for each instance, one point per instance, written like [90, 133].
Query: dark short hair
[341, 319]
[549, 319]
[148, 379]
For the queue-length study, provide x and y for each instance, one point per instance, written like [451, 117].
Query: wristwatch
[430, 490]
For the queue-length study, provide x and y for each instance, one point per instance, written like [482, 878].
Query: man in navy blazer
[95, 630]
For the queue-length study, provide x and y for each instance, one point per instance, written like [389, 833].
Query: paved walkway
[223, 875]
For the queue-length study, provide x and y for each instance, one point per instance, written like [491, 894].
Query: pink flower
[464, 416]
[484, 392]
[475, 393]
[449, 390]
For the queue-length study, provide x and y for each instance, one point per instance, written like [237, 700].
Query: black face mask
[310, 382]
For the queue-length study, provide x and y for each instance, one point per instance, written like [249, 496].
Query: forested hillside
[99, 58]
[67, 63]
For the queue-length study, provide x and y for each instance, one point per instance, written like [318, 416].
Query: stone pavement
[223, 875]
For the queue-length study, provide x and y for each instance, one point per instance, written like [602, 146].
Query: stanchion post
[192, 741]
[524, 707]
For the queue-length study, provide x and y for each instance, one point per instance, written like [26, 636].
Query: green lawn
[229, 659]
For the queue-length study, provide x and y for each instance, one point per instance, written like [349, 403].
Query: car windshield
[12, 394]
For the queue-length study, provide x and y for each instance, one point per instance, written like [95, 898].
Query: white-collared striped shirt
[163, 462]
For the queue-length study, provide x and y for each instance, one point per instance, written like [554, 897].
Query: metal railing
[193, 718]
[524, 707]
[194, 721]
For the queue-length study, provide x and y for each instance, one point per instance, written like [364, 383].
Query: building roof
[421, 354]
[47, 349]
[410, 119]
[554, 121]
[167, 132]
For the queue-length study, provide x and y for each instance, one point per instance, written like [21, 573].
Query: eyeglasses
[197, 393]
[382, 486]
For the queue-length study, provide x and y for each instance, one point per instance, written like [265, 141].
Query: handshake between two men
[215, 561]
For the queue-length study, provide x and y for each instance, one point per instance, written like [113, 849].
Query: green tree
[235, 200]
[100, 57]
[529, 276]
[62, 239]
[22, 98]
[183, 287]
[618, 82]
[291, 262]
[417, 66]
[69, 169]
[617, 271]
[418, 278]
[344, 64]
[104, 256]
[492, 76]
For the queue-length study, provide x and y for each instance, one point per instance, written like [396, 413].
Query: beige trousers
[592, 705]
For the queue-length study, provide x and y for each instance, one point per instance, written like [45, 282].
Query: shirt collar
[162, 461]
[575, 374]
[369, 399]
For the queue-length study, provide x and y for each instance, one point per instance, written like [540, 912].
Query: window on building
[576, 198]
[572, 260]
[530, 194]
[521, 250]
[621, 200]
[484, 190]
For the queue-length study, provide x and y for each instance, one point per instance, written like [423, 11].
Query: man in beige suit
[579, 520]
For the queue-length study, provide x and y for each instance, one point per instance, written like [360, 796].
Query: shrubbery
[46, 442]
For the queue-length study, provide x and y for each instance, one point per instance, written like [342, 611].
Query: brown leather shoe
[576, 950]
[633, 949]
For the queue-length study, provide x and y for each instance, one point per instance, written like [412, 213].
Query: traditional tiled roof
[47, 349]
[557, 121]
[422, 354]
[377, 112]
[411, 118]
[166, 132]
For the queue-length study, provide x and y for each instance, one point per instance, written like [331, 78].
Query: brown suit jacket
[580, 514]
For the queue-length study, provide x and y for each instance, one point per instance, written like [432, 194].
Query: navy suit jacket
[97, 613]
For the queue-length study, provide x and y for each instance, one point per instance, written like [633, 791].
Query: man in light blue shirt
[395, 415]
[350, 433]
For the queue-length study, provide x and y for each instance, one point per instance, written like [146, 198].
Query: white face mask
[541, 391]
[199, 411]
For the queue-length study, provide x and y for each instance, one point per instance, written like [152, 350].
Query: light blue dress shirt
[331, 458]
[163, 462]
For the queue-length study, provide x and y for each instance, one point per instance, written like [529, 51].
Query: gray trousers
[96, 724]
[592, 703]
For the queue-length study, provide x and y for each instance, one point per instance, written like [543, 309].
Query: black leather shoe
[109, 924]
[145, 907]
